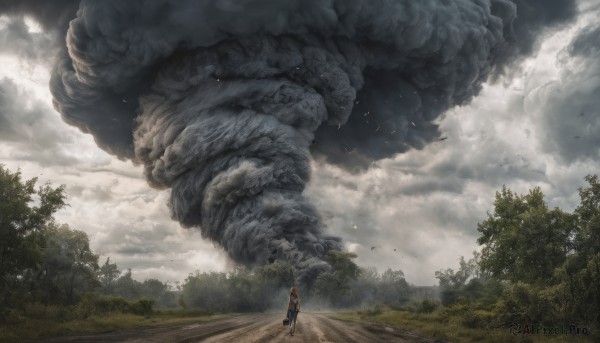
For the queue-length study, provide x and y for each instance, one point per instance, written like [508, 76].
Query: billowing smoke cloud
[224, 102]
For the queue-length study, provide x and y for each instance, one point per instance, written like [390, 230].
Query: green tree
[239, 288]
[468, 283]
[127, 287]
[24, 216]
[108, 276]
[206, 291]
[523, 240]
[393, 288]
[363, 290]
[335, 285]
[68, 266]
[271, 284]
[580, 275]
[158, 291]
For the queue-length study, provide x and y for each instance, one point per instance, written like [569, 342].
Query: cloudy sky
[539, 126]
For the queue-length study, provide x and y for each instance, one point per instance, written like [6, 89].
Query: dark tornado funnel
[225, 102]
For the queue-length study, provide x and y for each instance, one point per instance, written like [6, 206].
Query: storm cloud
[570, 111]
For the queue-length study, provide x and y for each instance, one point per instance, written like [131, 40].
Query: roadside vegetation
[538, 268]
[536, 279]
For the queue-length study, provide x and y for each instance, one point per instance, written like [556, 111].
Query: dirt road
[311, 327]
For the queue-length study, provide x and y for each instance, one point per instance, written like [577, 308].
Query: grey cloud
[587, 43]
[32, 127]
[35, 47]
[532, 20]
[53, 16]
[570, 111]
[16, 39]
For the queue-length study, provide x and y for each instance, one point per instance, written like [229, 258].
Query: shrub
[373, 311]
[141, 307]
[428, 306]
[94, 304]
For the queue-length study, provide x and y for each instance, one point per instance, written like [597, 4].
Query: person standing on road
[293, 306]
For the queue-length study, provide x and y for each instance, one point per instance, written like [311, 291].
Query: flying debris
[391, 133]
[443, 138]
[413, 123]
[355, 228]
[339, 126]
[377, 129]
[366, 114]
[394, 249]
[577, 137]
[581, 114]
[375, 247]
[124, 100]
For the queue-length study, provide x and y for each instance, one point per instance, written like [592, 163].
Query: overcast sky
[419, 209]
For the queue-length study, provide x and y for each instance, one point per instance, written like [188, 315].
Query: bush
[473, 319]
[427, 306]
[94, 304]
[373, 311]
[141, 307]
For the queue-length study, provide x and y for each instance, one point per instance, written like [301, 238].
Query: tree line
[537, 264]
[46, 263]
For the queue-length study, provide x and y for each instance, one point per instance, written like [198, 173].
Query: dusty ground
[310, 327]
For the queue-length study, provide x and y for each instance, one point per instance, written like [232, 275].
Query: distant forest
[536, 264]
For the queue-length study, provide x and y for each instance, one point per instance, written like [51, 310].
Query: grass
[446, 326]
[26, 329]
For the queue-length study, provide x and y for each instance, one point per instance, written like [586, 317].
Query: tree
[364, 288]
[336, 284]
[580, 275]
[271, 284]
[523, 240]
[24, 216]
[160, 292]
[551, 258]
[393, 288]
[468, 283]
[206, 291]
[127, 287]
[68, 267]
[108, 276]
